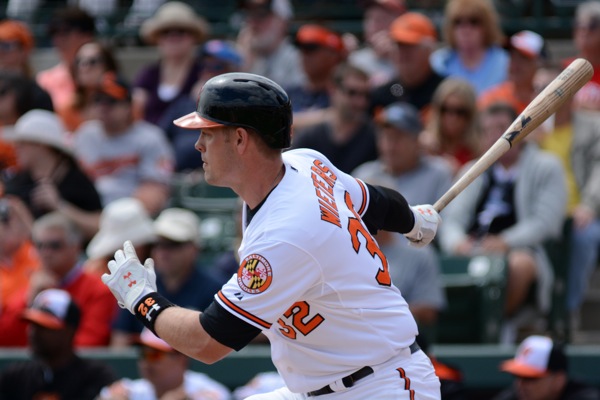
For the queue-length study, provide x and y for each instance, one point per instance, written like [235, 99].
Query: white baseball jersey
[315, 281]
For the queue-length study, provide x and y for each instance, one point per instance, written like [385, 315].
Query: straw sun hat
[41, 127]
[174, 15]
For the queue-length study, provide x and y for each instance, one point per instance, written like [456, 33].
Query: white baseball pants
[404, 377]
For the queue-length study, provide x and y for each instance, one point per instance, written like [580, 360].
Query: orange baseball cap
[11, 30]
[115, 87]
[413, 28]
[311, 34]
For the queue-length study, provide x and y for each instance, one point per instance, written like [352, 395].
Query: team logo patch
[255, 274]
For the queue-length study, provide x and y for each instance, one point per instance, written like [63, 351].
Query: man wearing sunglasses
[345, 134]
[59, 244]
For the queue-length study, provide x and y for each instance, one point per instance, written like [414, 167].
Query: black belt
[358, 375]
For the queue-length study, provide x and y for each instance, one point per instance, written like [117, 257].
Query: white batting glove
[129, 280]
[426, 225]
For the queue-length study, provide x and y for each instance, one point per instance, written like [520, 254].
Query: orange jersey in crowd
[15, 273]
[97, 304]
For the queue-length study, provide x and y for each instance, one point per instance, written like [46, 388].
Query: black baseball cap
[401, 115]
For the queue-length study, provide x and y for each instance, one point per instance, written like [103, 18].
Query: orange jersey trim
[243, 312]
[363, 205]
[411, 392]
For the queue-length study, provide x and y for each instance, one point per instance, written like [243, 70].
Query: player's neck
[255, 191]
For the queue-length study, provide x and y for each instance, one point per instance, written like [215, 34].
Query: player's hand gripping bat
[563, 87]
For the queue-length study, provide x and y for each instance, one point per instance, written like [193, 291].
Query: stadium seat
[475, 291]
[217, 208]
[558, 252]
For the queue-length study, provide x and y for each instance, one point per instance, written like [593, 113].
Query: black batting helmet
[246, 100]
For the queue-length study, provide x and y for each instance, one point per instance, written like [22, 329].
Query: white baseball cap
[178, 225]
[121, 220]
[528, 43]
[536, 356]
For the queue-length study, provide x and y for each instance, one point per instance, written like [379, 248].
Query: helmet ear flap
[250, 101]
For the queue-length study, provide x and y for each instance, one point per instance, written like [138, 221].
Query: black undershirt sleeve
[388, 210]
[226, 328]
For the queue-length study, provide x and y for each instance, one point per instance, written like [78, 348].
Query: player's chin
[209, 177]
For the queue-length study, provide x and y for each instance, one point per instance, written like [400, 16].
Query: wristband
[149, 307]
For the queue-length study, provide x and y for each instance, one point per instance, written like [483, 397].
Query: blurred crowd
[89, 159]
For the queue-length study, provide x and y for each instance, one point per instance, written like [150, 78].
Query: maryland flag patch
[255, 274]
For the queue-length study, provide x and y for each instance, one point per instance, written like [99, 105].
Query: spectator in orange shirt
[59, 244]
[527, 52]
[18, 258]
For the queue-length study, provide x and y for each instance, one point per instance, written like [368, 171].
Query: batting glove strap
[149, 308]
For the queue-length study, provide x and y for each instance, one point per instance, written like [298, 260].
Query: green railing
[478, 363]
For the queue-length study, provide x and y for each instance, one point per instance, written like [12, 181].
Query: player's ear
[241, 138]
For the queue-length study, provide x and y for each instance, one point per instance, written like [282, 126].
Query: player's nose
[199, 143]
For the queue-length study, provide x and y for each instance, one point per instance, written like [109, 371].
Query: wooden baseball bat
[563, 87]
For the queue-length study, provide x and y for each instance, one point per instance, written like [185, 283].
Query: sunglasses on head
[53, 245]
[458, 111]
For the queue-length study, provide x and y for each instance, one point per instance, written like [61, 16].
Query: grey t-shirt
[119, 164]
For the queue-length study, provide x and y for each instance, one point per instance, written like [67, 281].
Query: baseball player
[311, 277]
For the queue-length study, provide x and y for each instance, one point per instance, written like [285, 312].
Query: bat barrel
[562, 88]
